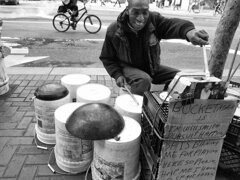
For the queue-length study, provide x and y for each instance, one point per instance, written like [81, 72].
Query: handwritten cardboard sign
[193, 139]
[203, 119]
[189, 160]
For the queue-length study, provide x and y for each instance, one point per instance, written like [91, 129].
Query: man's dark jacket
[116, 49]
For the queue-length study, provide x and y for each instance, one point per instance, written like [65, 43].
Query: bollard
[4, 86]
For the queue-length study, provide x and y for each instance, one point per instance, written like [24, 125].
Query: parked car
[15, 2]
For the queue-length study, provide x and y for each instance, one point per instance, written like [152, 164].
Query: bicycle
[62, 21]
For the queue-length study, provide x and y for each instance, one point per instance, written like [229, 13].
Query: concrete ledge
[70, 70]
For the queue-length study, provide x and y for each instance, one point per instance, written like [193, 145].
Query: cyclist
[70, 5]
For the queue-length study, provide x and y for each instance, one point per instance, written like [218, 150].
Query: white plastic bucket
[93, 93]
[4, 85]
[44, 113]
[73, 81]
[126, 106]
[72, 154]
[118, 159]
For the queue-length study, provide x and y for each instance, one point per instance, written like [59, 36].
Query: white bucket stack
[74, 81]
[93, 93]
[73, 155]
[118, 159]
[126, 106]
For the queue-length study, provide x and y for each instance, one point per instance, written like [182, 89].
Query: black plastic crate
[233, 133]
[148, 164]
[156, 110]
[230, 159]
[150, 136]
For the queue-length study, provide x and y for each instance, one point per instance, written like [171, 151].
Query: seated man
[131, 50]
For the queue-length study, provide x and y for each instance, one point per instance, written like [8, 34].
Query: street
[30, 24]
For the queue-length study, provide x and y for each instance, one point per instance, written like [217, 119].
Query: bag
[62, 9]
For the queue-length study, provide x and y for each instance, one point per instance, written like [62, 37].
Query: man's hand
[121, 81]
[198, 37]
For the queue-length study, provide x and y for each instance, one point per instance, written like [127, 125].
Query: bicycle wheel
[61, 22]
[92, 24]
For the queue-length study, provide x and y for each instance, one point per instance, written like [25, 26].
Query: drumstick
[233, 60]
[205, 62]
[129, 92]
[234, 72]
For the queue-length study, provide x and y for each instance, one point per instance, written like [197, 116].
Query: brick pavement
[19, 156]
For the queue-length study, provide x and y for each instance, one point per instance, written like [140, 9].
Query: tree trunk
[223, 37]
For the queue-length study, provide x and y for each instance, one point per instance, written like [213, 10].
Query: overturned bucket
[73, 154]
[74, 81]
[47, 99]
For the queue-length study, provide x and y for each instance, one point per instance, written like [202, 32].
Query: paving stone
[37, 159]
[13, 77]
[40, 83]
[6, 154]
[17, 82]
[58, 78]
[8, 125]
[24, 109]
[21, 104]
[100, 78]
[17, 117]
[15, 166]
[30, 150]
[93, 77]
[10, 111]
[14, 95]
[41, 178]
[11, 133]
[22, 77]
[19, 89]
[32, 83]
[51, 78]
[37, 77]
[43, 170]
[3, 107]
[24, 123]
[27, 172]
[2, 169]
[31, 130]
[15, 99]
[30, 113]
[24, 83]
[3, 141]
[29, 77]
[21, 140]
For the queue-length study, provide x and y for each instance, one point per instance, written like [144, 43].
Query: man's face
[138, 11]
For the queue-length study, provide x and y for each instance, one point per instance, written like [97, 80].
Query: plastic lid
[50, 92]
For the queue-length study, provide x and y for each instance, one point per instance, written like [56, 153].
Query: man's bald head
[134, 2]
[138, 13]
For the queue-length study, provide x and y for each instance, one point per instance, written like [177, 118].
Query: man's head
[138, 11]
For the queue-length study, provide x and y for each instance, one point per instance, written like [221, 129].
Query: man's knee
[141, 85]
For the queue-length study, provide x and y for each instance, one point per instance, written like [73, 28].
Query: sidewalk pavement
[19, 157]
